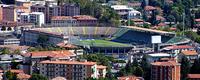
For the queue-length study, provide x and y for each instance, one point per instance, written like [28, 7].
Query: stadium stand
[126, 35]
[177, 40]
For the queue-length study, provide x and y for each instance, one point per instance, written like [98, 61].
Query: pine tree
[146, 67]
[195, 69]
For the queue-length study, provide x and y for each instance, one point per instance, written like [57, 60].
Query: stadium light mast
[183, 22]
[129, 17]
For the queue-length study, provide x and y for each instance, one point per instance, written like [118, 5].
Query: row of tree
[7, 51]
[141, 69]
[12, 76]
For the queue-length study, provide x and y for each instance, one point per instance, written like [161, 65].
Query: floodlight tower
[183, 22]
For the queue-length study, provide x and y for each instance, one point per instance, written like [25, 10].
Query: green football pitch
[101, 43]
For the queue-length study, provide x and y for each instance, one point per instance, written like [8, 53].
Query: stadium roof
[150, 30]
[101, 43]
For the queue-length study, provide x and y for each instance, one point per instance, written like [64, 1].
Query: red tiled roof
[21, 7]
[130, 78]
[194, 76]
[1, 71]
[23, 76]
[101, 67]
[160, 18]
[178, 47]
[162, 24]
[149, 8]
[68, 62]
[61, 18]
[137, 20]
[135, 4]
[55, 54]
[197, 20]
[84, 17]
[13, 71]
[16, 71]
[168, 63]
[173, 29]
[189, 53]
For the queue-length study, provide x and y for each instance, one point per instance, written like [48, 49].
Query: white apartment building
[126, 12]
[36, 18]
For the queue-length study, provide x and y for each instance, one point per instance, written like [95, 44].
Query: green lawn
[102, 43]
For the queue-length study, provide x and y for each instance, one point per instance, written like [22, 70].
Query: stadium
[115, 41]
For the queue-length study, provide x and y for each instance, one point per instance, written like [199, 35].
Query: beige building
[78, 20]
[71, 70]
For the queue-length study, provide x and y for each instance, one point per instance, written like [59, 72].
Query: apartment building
[191, 55]
[48, 10]
[36, 18]
[9, 13]
[71, 70]
[63, 21]
[85, 20]
[71, 9]
[126, 12]
[12, 13]
[169, 70]
[51, 10]
[34, 58]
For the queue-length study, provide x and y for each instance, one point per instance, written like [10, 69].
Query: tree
[195, 69]
[3, 28]
[37, 77]
[5, 51]
[143, 4]
[171, 19]
[146, 67]
[153, 20]
[42, 39]
[9, 29]
[138, 71]
[10, 76]
[17, 51]
[185, 68]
